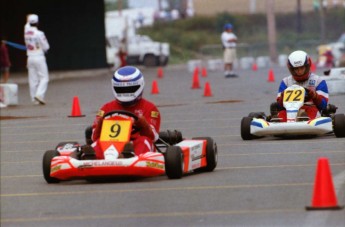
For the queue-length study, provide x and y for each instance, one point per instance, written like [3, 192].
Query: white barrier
[335, 81]
[246, 62]
[263, 62]
[215, 64]
[9, 94]
[192, 64]
[282, 60]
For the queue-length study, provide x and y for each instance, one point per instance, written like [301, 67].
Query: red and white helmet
[297, 59]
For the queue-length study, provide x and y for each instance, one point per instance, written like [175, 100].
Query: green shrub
[188, 36]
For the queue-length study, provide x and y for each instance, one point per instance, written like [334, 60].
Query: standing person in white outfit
[36, 45]
[229, 40]
[27, 25]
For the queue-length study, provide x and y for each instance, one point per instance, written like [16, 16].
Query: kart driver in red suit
[128, 85]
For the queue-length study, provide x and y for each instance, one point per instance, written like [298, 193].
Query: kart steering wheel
[127, 113]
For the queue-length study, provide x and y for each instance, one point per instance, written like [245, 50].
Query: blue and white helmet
[128, 85]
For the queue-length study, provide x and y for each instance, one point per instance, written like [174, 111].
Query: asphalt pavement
[263, 182]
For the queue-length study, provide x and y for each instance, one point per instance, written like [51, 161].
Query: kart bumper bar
[319, 126]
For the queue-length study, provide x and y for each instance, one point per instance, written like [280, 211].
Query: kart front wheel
[47, 158]
[245, 128]
[211, 154]
[339, 125]
[174, 162]
[261, 115]
[69, 144]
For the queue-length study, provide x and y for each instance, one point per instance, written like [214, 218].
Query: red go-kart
[174, 155]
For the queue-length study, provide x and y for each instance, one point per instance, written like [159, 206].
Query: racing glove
[144, 128]
[317, 99]
[98, 127]
[311, 94]
[280, 99]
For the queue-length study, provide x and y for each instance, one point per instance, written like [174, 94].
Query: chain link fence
[258, 53]
[261, 49]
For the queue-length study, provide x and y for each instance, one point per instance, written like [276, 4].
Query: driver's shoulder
[147, 103]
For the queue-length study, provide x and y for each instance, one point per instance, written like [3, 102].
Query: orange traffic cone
[254, 67]
[76, 108]
[203, 72]
[324, 197]
[207, 90]
[155, 89]
[160, 72]
[270, 76]
[196, 70]
[196, 83]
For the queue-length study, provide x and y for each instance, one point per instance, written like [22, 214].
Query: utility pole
[120, 7]
[271, 24]
[322, 22]
[252, 6]
[299, 17]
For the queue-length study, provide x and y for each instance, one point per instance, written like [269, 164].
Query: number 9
[115, 129]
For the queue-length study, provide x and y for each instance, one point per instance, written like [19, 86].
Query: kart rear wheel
[211, 154]
[171, 137]
[47, 158]
[174, 162]
[339, 125]
[245, 128]
[88, 135]
[275, 108]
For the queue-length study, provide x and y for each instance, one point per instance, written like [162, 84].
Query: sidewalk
[22, 77]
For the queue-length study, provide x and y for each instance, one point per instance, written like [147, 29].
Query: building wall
[75, 31]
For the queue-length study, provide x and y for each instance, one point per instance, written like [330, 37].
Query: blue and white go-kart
[257, 124]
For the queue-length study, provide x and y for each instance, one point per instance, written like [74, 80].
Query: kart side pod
[199, 155]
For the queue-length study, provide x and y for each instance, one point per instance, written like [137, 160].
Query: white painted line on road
[282, 153]
[223, 168]
[150, 215]
[187, 188]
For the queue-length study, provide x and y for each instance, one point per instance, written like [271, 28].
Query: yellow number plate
[116, 130]
[296, 95]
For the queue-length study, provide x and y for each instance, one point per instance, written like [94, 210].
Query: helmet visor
[129, 89]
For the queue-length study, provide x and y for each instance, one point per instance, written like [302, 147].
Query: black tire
[171, 137]
[257, 115]
[46, 164]
[165, 61]
[174, 162]
[211, 154]
[339, 125]
[275, 108]
[150, 60]
[245, 128]
[88, 135]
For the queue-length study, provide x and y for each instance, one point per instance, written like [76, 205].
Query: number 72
[293, 95]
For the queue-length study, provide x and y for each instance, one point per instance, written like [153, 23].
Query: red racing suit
[312, 106]
[141, 143]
